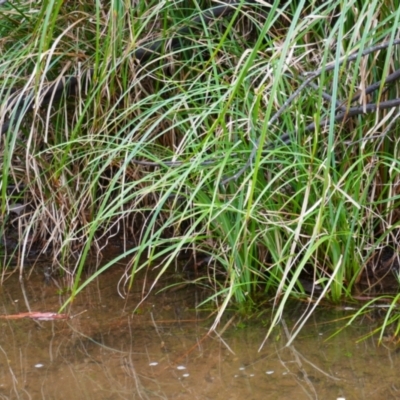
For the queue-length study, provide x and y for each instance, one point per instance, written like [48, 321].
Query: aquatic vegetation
[263, 141]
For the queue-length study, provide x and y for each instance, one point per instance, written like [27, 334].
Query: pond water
[163, 350]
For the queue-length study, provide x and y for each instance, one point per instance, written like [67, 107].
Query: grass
[148, 150]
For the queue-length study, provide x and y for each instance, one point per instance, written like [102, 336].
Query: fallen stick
[40, 316]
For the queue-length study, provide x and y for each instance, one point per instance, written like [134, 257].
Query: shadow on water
[162, 351]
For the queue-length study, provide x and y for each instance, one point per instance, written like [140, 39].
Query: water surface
[163, 350]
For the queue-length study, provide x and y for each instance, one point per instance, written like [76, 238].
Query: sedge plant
[184, 151]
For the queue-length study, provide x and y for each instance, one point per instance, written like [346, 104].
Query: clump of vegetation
[252, 139]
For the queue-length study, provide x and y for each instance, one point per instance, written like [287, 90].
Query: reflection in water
[163, 351]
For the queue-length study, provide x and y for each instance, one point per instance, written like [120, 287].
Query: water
[163, 349]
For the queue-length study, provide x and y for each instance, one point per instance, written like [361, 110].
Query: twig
[352, 111]
[309, 77]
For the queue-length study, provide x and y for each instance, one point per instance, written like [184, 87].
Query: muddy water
[162, 350]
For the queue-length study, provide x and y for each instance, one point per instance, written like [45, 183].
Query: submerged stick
[39, 316]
